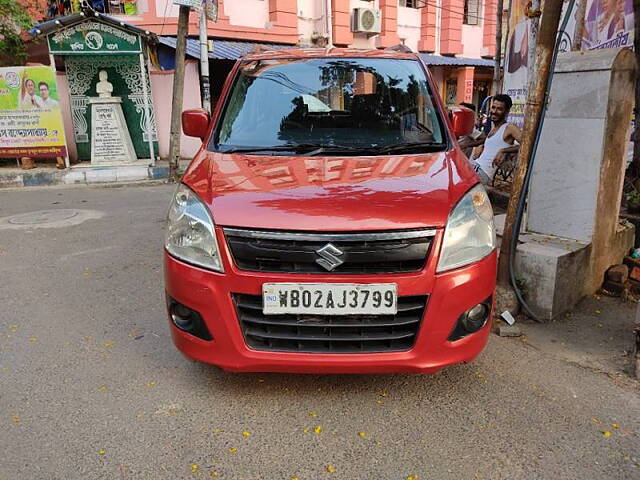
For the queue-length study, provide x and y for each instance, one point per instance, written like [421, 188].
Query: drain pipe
[329, 22]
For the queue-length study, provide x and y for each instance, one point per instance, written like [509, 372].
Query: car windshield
[330, 106]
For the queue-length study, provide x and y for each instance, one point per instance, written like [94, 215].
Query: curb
[83, 176]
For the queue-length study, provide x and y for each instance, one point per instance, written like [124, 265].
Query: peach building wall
[296, 21]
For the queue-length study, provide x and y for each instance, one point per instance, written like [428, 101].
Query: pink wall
[65, 107]
[162, 91]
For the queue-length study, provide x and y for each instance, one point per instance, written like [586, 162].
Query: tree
[16, 17]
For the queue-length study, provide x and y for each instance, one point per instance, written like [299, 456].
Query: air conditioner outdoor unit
[366, 20]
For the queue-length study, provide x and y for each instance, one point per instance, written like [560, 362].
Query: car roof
[328, 53]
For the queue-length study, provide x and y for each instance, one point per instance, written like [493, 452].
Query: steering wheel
[293, 123]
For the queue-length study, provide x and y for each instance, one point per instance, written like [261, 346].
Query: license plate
[330, 298]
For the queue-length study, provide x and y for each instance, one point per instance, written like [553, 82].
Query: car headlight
[190, 231]
[470, 234]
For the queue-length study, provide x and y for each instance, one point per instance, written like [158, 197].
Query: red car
[330, 222]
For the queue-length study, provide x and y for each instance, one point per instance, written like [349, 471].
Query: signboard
[516, 59]
[110, 140]
[92, 38]
[608, 24]
[516, 68]
[188, 3]
[210, 7]
[30, 118]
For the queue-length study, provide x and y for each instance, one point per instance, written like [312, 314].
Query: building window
[409, 3]
[472, 12]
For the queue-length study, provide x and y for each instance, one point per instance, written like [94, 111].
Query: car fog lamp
[181, 316]
[475, 318]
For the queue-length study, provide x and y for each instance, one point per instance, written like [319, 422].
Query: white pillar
[147, 104]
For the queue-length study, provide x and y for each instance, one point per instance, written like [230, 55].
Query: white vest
[492, 145]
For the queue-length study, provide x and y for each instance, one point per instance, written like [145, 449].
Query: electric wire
[462, 14]
[525, 188]
[164, 17]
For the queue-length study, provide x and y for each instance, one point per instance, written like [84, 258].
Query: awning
[222, 49]
[442, 60]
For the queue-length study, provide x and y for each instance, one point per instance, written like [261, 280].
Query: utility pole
[178, 91]
[204, 61]
[635, 166]
[497, 84]
[536, 99]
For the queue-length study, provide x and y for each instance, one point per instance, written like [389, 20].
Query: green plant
[521, 283]
[17, 16]
[633, 198]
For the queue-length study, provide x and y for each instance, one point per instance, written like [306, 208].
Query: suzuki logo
[330, 257]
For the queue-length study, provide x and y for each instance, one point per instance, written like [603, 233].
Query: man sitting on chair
[499, 142]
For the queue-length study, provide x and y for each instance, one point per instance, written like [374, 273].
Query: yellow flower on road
[330, 469]
[317, 430]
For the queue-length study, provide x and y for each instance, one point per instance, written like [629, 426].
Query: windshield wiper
[315, 149]
[423, 147]
[248, 149]
[308, 149]
[344, 149]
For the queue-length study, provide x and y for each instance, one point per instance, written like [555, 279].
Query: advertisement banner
[608, 24]
[516, 59]
[517, 56]
[30, 117]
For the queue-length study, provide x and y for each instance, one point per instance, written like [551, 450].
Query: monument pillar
[110, 139]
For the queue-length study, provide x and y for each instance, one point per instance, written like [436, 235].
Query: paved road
[92, 388]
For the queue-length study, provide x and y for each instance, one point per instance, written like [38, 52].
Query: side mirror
[195, 123]
[463, 121]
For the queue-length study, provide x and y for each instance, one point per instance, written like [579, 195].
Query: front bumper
[450, 294]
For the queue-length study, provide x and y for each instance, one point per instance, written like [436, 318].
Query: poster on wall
[517, 55]
[516, 59]
[30, 117]
[608, 24]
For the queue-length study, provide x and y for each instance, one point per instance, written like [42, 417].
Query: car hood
[330, 193]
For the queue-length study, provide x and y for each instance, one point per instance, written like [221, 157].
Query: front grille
[292, 252]
[330, 333]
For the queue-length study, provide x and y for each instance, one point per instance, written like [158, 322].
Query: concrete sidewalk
[598, 335]
[84, 174]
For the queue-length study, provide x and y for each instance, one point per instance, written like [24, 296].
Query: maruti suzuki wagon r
[330, 223]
